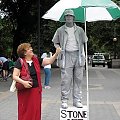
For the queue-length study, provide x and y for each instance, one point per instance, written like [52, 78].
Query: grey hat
[69, 12]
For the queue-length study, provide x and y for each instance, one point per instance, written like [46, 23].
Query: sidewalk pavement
[104, 96]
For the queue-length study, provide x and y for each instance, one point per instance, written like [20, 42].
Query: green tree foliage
[21, 25]
[5, 37]
[23, 17]
[22, 14]
[100, 34]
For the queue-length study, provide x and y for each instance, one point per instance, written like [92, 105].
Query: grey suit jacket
[60, 39]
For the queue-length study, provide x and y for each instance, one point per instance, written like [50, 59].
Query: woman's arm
[16, 74]
[50, 60]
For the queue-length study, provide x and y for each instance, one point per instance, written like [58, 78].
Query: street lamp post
[114, 40]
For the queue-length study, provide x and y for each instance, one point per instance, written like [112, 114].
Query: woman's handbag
[13, 86]
[20, 86]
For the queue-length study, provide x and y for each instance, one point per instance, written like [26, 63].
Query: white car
[98, 60]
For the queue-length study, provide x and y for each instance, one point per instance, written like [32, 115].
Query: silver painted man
[71, 39]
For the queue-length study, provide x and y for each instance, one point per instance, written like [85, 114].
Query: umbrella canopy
[95, 10]
[94, 14]
[95, 3]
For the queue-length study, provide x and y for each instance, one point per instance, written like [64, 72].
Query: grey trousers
[71, 78]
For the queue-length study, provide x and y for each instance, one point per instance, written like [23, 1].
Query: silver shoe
[78, 104]
[64, 105]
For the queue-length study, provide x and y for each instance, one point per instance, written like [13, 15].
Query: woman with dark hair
[29, 99]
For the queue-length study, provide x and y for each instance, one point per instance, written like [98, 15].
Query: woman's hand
[47, 61]
[27, 84]
[58, 50]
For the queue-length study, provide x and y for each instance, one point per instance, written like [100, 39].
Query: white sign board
[73, 113]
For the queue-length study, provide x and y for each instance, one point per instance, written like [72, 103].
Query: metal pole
[86, 68]
[114, 50]
[38, 28]
[114, 42]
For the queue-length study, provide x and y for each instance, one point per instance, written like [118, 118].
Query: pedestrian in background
[1, 64]
[5, 68]
[29, 99]
[47, 69]
[71, 39]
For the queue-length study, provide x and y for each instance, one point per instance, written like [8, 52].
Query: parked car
[98, 59]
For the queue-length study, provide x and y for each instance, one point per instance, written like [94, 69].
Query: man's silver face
[69, 18]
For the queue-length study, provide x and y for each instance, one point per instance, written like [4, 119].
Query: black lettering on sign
[77, 114]
[84, 114]
[63, 114]
[70, 113]
[73, 114]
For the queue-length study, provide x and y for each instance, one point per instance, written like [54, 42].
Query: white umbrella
[96, 10]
